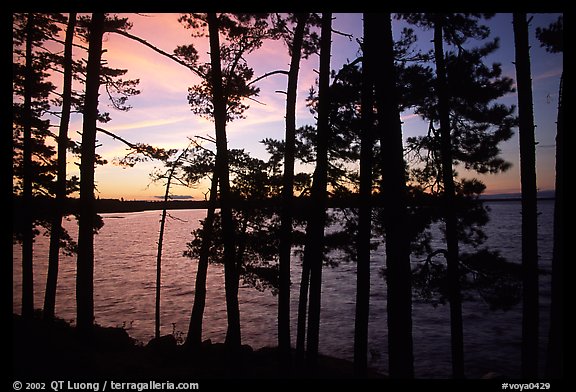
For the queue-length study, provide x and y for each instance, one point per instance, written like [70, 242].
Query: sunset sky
[161, 115]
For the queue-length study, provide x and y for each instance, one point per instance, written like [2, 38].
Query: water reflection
[124, 283]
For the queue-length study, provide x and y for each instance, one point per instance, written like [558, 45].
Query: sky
[161, 115]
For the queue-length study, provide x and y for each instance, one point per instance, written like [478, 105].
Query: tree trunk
[161, 240]
[87, 210]
[56, 230]
[159, 265]
[28, 226]
[393, 189]
[302, 308]
[194, 338]
[314, 248]
[371, 34]
[555, 362]
[457, 334]
[284, 341]
[233, 337]
[530, 314]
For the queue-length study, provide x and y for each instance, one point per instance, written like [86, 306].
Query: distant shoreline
[115, 205]
[124, 206]
[487, 199]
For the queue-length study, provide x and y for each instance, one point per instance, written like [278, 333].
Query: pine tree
[530, 311]
[27, 246]
[313, 251]
[87, 209]
[456, 328]
[233, 337]
[118, 91]
[394, 196]
[170, 176]
[365, 194]
[296, 49]
[552, 38]
[219, 97]
[61, 182]
[470, 128]
[32, 157]
[194, 336]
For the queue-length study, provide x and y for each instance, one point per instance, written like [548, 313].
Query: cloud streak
[143, 124]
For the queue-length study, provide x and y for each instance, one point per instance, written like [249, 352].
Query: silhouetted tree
[28, 236]
[194, 336]
[343, 149]
[255, 217]
[255, 189]
[556, 349]
[45, 169]
[457, 335]
[302, 184]
[32, 157]
[347, 144]
[118, 91]
[87, 210]
[199, 164]
[187, 56]
[369, 48]
[313, 251]
[486, 276]
[393, 191]
[552, 38]
[141, 152]
[220, 97]
[61, 186]
[471, 127]
[530, 311]
[285, 248]
[219, 103]
[169, 176]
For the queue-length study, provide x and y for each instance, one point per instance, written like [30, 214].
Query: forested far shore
[113, 205]
[120, 205]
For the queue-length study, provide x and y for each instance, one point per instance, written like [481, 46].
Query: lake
[124, 294]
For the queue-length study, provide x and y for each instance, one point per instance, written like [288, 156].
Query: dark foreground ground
[55, 351]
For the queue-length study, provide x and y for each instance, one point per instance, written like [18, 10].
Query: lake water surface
[124, 294]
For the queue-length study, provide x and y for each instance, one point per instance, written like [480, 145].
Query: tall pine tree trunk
[450, 219]
[233, 337]
[284, 341]
[302, 308]
[530, 313]
[194, 337]
[365, 211]
[159, 263]
[393, 189]
[27, 227]
[56, 230]
[161, 240]
[555, 362]
[314, 248]
[87, 210]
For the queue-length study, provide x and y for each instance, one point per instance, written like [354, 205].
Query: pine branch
[160, 51]
[346, 66]
[280, 71]
[116, 137]
[349, 36]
